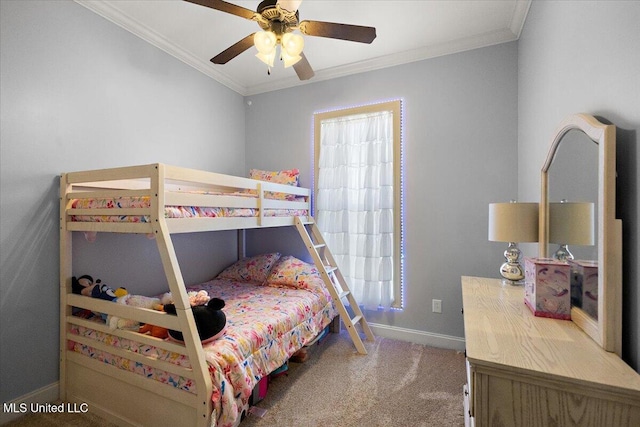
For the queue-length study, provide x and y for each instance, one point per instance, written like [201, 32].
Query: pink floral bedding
[170, 211]
[266, 324]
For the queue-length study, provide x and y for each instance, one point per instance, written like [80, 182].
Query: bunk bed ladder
[334, 280]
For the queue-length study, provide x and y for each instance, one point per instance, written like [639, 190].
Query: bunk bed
[137, 379]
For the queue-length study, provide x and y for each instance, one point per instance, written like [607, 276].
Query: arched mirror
[580, 167]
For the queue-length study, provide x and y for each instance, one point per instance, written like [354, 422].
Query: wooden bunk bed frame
[128, 398]
[122, 396]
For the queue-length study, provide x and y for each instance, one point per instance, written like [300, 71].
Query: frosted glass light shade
[265, 42]
[289, 60]
[292, 44]
[571, 223]
[513, 222]
[267, 58]
[289, 6]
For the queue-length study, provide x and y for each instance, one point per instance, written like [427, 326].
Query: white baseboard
[418, 337]
[46, 394]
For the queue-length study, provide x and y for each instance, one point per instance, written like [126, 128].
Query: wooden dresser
[524, 370]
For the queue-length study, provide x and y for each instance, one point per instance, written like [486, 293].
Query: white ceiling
[407, 31]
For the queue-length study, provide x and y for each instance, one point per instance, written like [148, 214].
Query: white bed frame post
[180, 298]
[65, 282]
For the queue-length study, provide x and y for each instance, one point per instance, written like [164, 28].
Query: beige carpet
[396, 384]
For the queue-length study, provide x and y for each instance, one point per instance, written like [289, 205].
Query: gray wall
[584, 57]
[460, 153]
[78, 92]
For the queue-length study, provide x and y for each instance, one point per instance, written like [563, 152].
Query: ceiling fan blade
[233, 51]
[303, 68]
[354, 33]
[289, 6]
[226, 7]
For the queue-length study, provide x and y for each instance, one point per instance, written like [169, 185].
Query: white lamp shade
[292, 44]
[265, 41]
[571, 223]
[513, 222]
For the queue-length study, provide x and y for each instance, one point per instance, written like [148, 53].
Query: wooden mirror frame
[607, 329]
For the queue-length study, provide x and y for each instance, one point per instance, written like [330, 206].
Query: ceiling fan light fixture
[278, 19]
[289, 60]
[292, 44]
[265, 42]
[267, 58]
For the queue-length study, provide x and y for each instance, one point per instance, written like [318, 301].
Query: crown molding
[457, 46]
[520, 12]
[111, 13]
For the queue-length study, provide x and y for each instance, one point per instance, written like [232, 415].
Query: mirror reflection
[573, 181]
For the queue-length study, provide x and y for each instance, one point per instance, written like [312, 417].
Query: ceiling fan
[278, 20]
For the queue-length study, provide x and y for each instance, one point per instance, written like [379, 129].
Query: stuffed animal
[131, 300]
[153, 330]
[210, 320]
[195, 298]
[198, 298]
[84, 285]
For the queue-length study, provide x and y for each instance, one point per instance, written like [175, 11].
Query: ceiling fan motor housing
[275, 21]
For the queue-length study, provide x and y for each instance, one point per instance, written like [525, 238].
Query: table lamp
[513, 223]
[570, 223]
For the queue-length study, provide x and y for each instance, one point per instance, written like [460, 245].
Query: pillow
[294, 273]
[288, 177]
[290, 271]
[254, 269]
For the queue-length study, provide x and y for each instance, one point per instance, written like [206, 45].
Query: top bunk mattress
[135, 199]
[173, 211]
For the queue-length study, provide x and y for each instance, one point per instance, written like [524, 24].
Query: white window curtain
[355, 202]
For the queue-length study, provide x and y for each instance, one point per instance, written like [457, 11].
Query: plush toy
[84, 285]
[142, 301]
[153, 330]
[210, 320]
[195, 298]
[198, 298]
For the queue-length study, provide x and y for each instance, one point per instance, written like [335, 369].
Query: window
[358, 198]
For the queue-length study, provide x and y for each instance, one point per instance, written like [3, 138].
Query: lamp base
[511, 270]
[512, 273]
[563, 253]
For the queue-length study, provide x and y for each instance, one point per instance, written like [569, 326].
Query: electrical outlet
[436, 305]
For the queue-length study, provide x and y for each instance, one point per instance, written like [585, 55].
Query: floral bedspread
[265, 326]
[169, 211]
